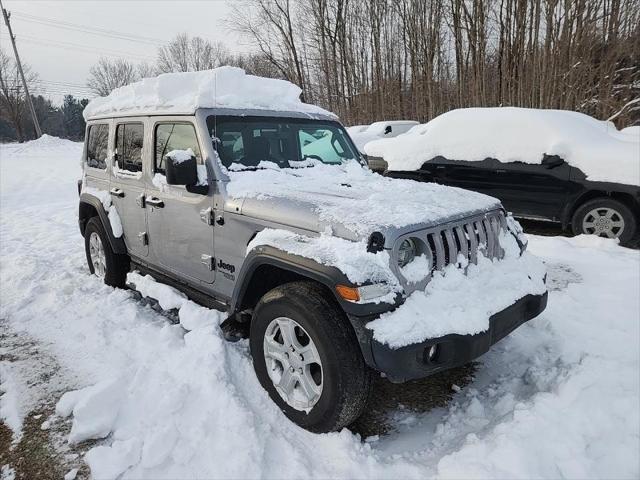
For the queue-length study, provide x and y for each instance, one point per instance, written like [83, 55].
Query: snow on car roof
[185, 92]
[517, 134]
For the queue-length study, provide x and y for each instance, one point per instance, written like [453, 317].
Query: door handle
[440, 167]
[116, 192]
[501, 171]
[154, 202]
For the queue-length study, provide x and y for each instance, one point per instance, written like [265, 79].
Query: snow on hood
[517, 134]
[355, 198]
[184, 92]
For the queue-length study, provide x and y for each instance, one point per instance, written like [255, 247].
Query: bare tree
[12, 95]
[185, 54]
[108, 74]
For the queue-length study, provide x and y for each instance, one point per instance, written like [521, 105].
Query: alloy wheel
[96, 252]
[604, 222]
[293, 363]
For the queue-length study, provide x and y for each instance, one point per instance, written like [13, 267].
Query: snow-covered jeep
[230, 189]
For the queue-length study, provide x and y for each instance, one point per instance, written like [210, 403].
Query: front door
[127, 187]
[532, 190]
[180, 237]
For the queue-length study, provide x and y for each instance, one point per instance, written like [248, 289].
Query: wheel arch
[91, 206]
[623, 197]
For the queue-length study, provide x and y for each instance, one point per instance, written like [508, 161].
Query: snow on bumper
[455, 302]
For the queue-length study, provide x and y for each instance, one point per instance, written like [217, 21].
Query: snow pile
[457, 303]
[363, 134]
[179, 156]
[356, 198]
[556, 398]
[184, 92]
[11, 409]
[351, 258]
[517, 134]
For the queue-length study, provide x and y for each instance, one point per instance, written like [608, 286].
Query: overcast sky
[54, 36]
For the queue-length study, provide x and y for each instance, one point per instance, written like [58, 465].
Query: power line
[90, 30]
[79, 48]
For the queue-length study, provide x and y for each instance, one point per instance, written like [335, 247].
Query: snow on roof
[517, 134]
[183, 93]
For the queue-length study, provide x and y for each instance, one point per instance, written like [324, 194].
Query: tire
[621, 215]
[345, 378]
[115, 266]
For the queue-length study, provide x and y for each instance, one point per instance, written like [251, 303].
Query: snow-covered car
[363, 134]
[229, 188]
[553, 165]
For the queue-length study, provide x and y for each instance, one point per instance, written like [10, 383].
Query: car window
[97, 146]
[246, 142]
[321, 143]
[174, 136]
[129, 142]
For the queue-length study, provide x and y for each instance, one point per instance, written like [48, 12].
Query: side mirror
[181, 170]
[551, 161]
[387, 130]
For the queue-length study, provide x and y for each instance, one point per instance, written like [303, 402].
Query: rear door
[180, 237]
[127, 186]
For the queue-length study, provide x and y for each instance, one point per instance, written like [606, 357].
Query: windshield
[244, 142]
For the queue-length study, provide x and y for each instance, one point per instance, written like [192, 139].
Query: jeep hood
[348, 200]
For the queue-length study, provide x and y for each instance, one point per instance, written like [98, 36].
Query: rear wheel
[103, 261]
[306, 356]
[605, 217]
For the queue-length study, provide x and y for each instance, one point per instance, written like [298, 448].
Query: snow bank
[360, 200]
[517, 134]
[183, 93]
[457, 303]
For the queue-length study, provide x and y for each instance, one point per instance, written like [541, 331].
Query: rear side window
[174, 136]
[129, 142]
[97, 146]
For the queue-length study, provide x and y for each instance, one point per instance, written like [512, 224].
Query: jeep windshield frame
[256, 142]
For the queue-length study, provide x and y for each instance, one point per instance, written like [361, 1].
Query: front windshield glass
[245, 142]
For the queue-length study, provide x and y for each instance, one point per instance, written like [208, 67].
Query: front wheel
[306, 356]
[605, 217]
[103, 261]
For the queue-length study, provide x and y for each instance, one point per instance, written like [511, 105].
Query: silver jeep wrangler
[158, 196]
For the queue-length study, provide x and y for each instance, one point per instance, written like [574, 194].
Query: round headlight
[406, 252]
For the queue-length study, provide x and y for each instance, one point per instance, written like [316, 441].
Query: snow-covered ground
[559, 397]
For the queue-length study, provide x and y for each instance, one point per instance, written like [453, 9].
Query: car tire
[617, 212]
[104, 263]
[345, 379]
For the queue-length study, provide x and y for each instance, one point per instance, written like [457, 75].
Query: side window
[174, 136]
[97, 146]
[129, 142]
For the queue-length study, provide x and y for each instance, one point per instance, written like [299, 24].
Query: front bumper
[411, 362]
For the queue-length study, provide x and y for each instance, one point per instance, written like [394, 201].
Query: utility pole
[36, 124]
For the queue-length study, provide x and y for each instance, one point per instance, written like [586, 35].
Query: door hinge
[144, 238]
[206, 216]
[209, 261]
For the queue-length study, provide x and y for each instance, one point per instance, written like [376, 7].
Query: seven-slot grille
[480, 234]
[444, 244]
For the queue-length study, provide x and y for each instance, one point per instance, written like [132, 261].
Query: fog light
[431, 353]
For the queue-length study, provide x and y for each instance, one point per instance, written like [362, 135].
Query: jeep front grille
[446, 243]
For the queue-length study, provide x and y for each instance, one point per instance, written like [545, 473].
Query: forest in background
[369, 60]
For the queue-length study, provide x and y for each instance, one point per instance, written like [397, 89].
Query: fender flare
[327, 276]
[116, 243]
